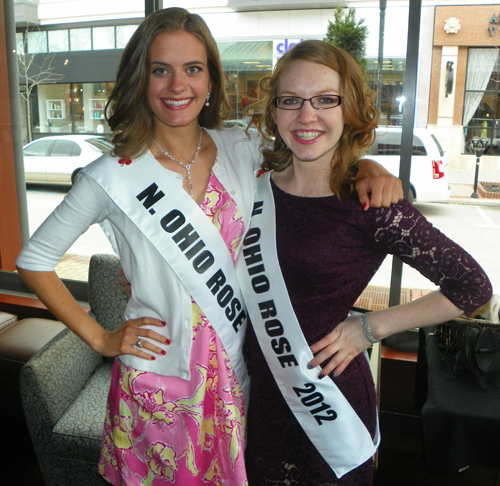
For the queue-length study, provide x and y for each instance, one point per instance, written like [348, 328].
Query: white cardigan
[157, 291]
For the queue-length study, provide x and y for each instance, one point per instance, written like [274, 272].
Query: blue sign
[283, 45]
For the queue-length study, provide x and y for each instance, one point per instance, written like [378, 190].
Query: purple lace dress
[328, 252]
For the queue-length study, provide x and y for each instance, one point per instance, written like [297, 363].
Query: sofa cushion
[6, 320]
[18, 343]
[22, 340]
[77, 434]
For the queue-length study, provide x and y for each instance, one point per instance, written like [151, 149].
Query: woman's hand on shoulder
[384, 187]
[342, 345]
[129, 339]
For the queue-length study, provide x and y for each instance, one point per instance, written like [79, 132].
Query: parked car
[429, 165]
[243, 124]
[234, 123]
[58, 159]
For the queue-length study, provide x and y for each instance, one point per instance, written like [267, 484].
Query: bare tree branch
[34, 69]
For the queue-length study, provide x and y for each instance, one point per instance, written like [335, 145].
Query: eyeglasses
[320, 102]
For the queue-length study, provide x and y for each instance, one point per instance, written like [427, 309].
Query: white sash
[322, 410]
[155, 202]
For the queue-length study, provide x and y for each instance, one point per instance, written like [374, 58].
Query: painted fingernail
[365, 205]
[167, 341]
[153, 358]
[309, 366]
[336, 374]
[163, 352]
[163, 323]
[321, 376]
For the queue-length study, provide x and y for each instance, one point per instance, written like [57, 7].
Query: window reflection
[80, 39]
[103, 38]
[123, 35]
[481, 103]
[37, 42]
[58, 41]
[20, 43]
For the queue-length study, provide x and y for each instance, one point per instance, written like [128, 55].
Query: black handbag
[474, 344]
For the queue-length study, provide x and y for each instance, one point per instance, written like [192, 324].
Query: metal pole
[15, 115]
[410, 93]
[381, 31]
[151, 6]
[474, 194]
[479, 145]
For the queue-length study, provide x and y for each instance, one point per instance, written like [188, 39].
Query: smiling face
[311, 135]
[179, 80]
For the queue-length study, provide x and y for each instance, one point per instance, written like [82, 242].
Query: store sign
[283, 45]
[494, 22]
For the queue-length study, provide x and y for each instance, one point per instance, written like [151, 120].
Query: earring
[208, 98]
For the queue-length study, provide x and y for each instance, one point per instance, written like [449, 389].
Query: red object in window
[437, 173]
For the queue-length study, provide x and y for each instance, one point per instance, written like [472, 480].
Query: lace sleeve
[404, 232]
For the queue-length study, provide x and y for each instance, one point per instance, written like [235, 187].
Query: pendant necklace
[182, 164]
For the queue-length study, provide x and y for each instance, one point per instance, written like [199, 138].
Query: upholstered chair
[64, 388]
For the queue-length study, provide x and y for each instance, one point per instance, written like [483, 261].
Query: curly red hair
[360, 115]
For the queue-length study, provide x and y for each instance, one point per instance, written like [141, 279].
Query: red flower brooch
[124, 162]
[260, 172]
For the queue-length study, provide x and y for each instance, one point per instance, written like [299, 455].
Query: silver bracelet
[365, 325]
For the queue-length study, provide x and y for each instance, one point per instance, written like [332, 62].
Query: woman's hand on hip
[129, 338]
[342, 345]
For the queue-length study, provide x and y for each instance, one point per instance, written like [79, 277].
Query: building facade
[83, 41]
[84, 52]
[465, 81]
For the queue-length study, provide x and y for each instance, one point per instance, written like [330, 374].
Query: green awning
[246, 56]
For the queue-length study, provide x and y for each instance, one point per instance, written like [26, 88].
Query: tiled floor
[73, 267]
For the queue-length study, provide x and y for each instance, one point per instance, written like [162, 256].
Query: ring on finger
[138, 343]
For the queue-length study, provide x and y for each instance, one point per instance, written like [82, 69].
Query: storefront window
[481, 104]
[58, 41]
[20, 43]
[78, 108]
[97, 96]
[70, 108]
[37, 42]
[53, 106]
[244, 64]
[103, 38]
[123, 35]
[80, 39]
[390, 100]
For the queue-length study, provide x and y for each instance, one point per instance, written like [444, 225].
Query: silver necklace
[182, 164]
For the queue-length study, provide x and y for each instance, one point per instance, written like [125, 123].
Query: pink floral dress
[162, 430]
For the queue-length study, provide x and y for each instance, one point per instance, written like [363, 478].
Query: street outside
[476, 228]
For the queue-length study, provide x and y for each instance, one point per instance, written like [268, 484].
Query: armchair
[64, 388]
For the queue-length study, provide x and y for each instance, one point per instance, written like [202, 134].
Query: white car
[57, 160]
[429, 166]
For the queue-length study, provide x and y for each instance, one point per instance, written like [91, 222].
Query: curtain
[479, 68]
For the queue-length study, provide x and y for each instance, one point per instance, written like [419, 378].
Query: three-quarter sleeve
[404, 232]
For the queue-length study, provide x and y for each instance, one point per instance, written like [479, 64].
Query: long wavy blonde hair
[127, 111]
[360, 115]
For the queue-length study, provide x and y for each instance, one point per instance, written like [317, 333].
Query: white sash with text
[320, 407]
[188, 241]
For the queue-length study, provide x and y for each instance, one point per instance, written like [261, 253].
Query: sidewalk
[462, 187]
[75, 267]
